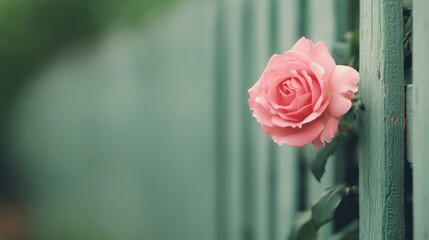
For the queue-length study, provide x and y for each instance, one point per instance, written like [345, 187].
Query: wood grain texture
[381, 130]
[420, 118]
[409, 101]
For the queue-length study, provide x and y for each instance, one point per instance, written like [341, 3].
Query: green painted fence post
[381, 130]
[420, 119]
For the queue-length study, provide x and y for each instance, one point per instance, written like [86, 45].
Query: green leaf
[303, 228]
[323, 209]
[408, 44]
[349, 232]
[408, 26]
[319, 163]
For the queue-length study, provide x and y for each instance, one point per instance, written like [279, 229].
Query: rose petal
[284, 108]
[331, 127]
[262, 117]
[287, 60]
[253, 91]
[295, 119]
[285, 100]
[259, 112]
[280, 122]
[321, 55]
[345, 79]
[318, 71]
[296, 137]
[302, 112]
[276, 62]
[318, 143]
[294, 66]
[319, 52]
[295, 56]
[303, 100]
[315, 91]
[277, 95]
[342, 86]
[304, 82]
[303, 45]
[296, 84]
[316, 113]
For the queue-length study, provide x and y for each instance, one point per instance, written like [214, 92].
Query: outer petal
[303, 45]
[276, 62]
[318, 143]
[331, 127]
[258, 105]
[296, 137]
[263, 117]
[296, 56]
[328, 133]
[290, 60]
[319, 53]
[253, 92]
[342, 86]
[319, 73]
[322, 56]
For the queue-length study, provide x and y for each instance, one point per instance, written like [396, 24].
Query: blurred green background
[128, 120]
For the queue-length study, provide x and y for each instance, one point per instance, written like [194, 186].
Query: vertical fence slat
[236, 133]
[286, 174]
[420, 118]
[320, 28]
[321, 17]
[255, 56]
[229, 130]
[381, 130]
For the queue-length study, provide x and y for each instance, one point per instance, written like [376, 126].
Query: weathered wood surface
[381, 131]
[420, 119]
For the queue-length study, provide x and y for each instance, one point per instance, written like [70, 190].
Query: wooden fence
[222, 178]
[262, 187]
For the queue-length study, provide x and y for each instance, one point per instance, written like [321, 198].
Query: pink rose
[301, 95]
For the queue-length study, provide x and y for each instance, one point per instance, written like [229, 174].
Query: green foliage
[350, 232]
[408, 42]
[319, 163]
[323, 209]
[31, 31]
[304, 228]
